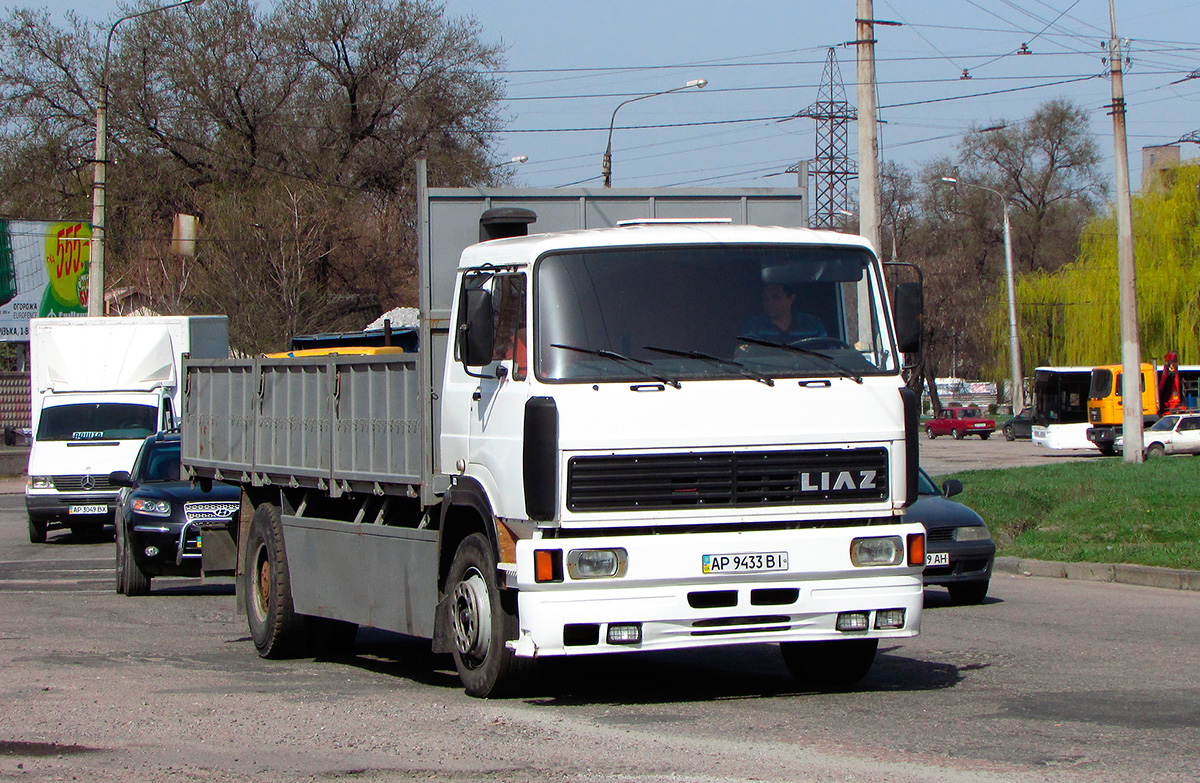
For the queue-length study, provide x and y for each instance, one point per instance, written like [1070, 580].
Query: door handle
[477, 395]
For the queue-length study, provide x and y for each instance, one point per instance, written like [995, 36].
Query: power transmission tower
[832, 167]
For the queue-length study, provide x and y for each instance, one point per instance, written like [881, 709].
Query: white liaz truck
[99, 387]
[599, 446]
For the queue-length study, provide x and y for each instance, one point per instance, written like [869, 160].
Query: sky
[570, 63]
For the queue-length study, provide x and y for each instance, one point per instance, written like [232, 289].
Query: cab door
[1187, 436]
[497, 418]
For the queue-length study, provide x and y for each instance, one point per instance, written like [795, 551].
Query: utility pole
[868, 143]
[1131, 379]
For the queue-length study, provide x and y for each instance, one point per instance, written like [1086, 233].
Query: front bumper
[677, 606]
[50, 506]
[969, 562]
[177, 545]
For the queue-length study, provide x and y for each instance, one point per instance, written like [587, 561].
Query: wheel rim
[472, 617]
[262, 585]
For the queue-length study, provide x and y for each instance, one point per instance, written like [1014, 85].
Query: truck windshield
[709, 312]
[97, 421]
[1102, 384]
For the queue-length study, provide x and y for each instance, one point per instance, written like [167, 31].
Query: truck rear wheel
[829, 666]
[277, 630]
[37, 531]
[483, 621]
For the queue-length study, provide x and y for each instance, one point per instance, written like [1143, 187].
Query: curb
[1122, 573]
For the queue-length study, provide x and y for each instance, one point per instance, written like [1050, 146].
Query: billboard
[43, 272]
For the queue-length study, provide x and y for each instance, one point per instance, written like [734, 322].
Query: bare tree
[292, 134]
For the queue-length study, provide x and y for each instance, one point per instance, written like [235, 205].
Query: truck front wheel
[483, 621]
[829, 666]
[277, 630]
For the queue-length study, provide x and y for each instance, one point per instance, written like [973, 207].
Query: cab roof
[524, 250]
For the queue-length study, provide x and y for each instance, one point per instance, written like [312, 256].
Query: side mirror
[120, 478]
[476, 339]
[951, 487]
[908, 308]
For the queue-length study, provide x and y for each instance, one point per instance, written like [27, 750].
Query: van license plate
[747, 561]
[937, 558]
[91, 508]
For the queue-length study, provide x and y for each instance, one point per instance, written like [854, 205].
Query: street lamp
[95, 303]
[516, 160]
[1014, 346]
[697, 83]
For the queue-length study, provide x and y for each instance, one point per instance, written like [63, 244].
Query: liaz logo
[843, 481]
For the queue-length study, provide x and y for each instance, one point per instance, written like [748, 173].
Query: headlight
[41, 482]
[883, 551]
[158, 508]
[972, 533]
[596, 563]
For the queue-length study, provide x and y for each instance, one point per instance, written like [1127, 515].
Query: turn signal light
[547, 565]
[916, 549]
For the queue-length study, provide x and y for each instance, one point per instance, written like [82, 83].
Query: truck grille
[734, 479]
[98, 483]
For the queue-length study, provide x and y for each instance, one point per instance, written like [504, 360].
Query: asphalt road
[1049, 680]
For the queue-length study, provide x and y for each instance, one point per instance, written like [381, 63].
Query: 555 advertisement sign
[43, 272]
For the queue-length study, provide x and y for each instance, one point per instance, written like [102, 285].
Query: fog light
[889, 619]
[853, 621]
[596, 563]
[888, 550]
[151, 551]
[624, 633]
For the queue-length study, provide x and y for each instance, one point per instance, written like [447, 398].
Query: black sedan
[160, 519]
[959, 550]
[1019, 426]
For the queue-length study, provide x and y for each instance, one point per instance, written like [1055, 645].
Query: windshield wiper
[741, 368]
[619, 357]
[837, 368]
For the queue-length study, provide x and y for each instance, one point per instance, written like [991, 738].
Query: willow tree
[1072, 316]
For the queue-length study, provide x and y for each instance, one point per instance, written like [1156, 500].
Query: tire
[1155, 450]
[829, 666]
[483, 620]
[985, 435]
[968, 592]
[1108, 450]
[277, 630]
[131, 579]
[929, 432]
[37, 531]
[958, 435]
[1009, 435]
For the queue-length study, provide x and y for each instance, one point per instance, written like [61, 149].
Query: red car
[959, 421]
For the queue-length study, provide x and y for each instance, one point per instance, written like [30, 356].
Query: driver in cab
[780, 321]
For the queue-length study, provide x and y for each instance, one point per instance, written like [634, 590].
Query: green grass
[1099, 511]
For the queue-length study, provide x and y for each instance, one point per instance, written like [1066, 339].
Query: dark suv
[160, 519]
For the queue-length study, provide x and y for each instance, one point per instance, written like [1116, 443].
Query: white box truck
[599, 446]
[99, 387]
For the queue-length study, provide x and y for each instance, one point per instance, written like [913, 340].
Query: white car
[1173, 434]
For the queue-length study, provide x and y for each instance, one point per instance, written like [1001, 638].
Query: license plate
[746, 561]
[90, 508]
[937, 558]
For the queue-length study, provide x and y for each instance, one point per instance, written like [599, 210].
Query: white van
[99, 387]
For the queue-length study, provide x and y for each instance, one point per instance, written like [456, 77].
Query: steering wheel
[817, 343]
